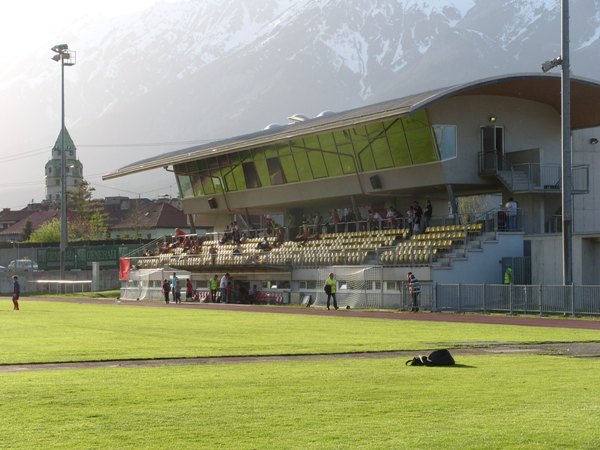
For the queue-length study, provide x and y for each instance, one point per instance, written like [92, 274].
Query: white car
[22, 265]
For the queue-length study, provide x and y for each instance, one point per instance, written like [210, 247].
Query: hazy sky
[28, 24]
[32, 27]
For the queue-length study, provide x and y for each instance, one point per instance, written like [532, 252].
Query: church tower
[74, 171]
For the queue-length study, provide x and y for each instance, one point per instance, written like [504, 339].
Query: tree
[27, 230]
[90, 221]
[48, 232]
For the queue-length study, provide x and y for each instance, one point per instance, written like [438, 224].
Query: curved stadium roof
[542, 88]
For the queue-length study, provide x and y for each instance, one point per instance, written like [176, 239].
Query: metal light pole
[66, 58]
[565, 100]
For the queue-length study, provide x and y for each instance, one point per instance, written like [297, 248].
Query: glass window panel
[251, 175]
[315, 157]
[275, 171]
[289, 168]
[197, 188]
[260, 163]
[420, 138]
[361, 140]
[230, 176]
[207, 184]
[397, 142]
[185, 186]
[302, 165]
[445, 136]
[332, 159]
[379, 146]
[345, 150]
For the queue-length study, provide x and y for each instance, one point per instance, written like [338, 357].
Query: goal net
[357, 287]
[145, 284]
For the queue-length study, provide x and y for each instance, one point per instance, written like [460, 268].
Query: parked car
[22, 265]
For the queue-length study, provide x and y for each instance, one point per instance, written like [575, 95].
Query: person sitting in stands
[187, 243]
[213, 251]
[243, 237]
[226, 235]
[264, 244]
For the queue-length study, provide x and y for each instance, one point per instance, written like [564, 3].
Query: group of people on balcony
[416, 219]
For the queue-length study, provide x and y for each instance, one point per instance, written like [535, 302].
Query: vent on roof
[325, 113]
[296, 118]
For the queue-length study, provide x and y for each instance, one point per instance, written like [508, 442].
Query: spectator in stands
[223, 287]
[280, 236]
[414, 288]
[269, 225]
[410, 218]
[189, 290]
[166, 289]
[334, 221]
[235, 232]
[511, 213]
[213, 251]
[374, 220]
[427, 214]
[226, 235]
[264, 244]
[330, 289]
[214, 288]
[243, 237]
[187, 243]
[392, 217]
[418, 215]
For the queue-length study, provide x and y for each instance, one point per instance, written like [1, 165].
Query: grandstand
[499, 136]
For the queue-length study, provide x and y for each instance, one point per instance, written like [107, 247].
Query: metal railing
[532, 176]
[476, 298]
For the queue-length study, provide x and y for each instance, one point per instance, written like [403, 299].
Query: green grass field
[501, 401]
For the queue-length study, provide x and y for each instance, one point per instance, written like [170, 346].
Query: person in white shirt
[223, 288]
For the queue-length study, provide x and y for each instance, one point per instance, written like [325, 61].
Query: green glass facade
[397, 142]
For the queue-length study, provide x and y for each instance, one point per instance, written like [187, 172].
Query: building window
[276, 173]
[251, 175]
[445, 136]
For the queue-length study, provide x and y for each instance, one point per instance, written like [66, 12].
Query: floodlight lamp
[56, 58]
[492, 119]
[551, 64]
[60, 48]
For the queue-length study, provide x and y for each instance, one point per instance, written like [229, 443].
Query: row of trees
[87, 219]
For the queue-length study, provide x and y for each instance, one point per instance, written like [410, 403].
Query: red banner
[124, 266]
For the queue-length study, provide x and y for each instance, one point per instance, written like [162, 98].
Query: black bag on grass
[436, 358]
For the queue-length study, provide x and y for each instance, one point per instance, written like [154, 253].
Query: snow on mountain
[201, 70]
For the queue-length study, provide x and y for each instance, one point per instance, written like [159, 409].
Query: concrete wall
[586, 218]
[483, 266]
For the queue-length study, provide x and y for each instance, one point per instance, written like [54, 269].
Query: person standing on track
[166, 288]
[223, 288]
[330, 289]
[414, 287]
[214, 288]
[16, 293]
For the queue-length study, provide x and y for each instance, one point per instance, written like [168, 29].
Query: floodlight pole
[64, 236]
[62, 54]
[567, 197]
